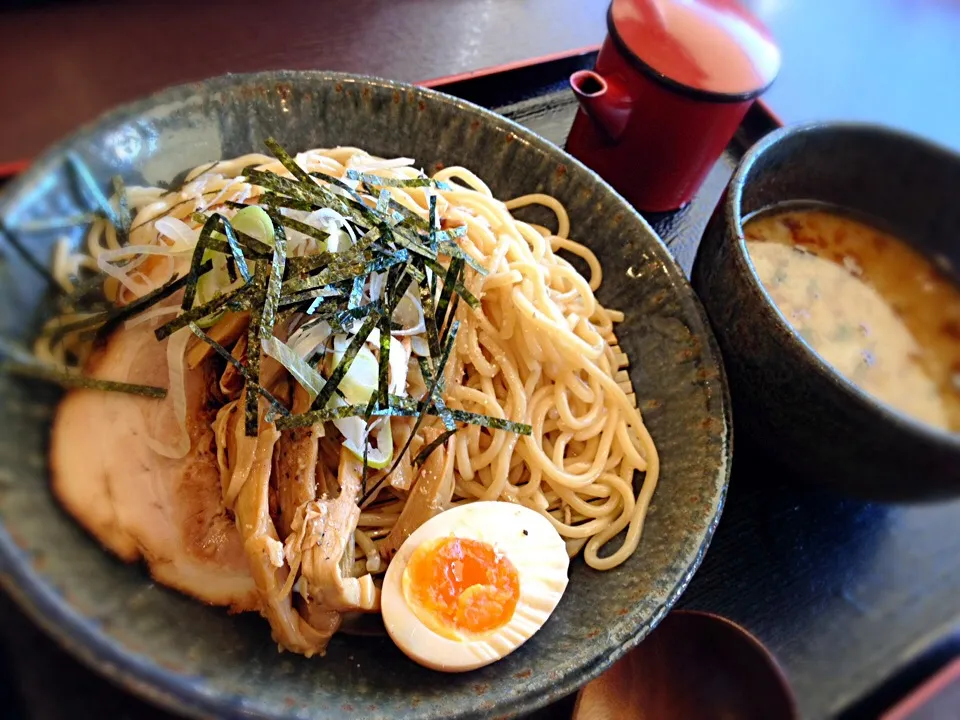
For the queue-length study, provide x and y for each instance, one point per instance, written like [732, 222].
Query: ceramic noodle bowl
[202, 662]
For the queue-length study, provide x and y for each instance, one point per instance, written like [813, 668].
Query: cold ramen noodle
[869, 305]
[338, 386]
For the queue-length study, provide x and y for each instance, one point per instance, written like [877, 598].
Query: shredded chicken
[250, 476]
[295, 465]
[322, 534]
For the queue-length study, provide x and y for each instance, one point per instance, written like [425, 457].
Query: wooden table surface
[892, 61]
[99, 53]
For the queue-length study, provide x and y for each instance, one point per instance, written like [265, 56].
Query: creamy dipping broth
[871, 306]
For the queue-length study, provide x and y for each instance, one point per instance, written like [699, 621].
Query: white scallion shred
[177, 395]
[409, 314]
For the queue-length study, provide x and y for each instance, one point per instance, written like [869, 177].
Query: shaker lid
[714, 46]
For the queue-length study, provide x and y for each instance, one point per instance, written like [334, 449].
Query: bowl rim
[734, 217]
[174, 691]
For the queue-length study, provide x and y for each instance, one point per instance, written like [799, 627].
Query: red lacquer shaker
[672, 83]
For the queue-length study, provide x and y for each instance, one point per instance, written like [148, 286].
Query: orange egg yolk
[456, 585]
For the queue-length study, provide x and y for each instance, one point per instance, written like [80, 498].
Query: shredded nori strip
[450, 281]
[446, 236]
[451, 315]
[453, 250]
[235, 249]
[358, 260]
[326, 292]
[426, 301]
[285, 186]
[383, 201]
[408, 406]
[408, 216]
[70, 380]
[328, 308]
[344, 318]
[371, 180]
[148, 300]
[279, 200]
[275, 280]
[324, 199]
[457, 285]
[337, 183]
[366, 450]
[411, 243]
[393, 291]
[302, 227]
[490, 422]
[87, 295]
[324, 415]
[235, 299]
[123, 210]
[428, 449]
[415, 273]
[354, 202]
[315, 305]
[256, 247]
[383, 362]
[245, 372]
[401, 407]
[356, 293]
[29, 258]
[259, 290]
[300, 266]
[266, 288]
[22, 362]
[441, 408]
[307, 190]
[433, 222]
[288, 162]
[193, 276]
[110, 319]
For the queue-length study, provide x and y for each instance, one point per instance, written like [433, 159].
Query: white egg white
[526, 538]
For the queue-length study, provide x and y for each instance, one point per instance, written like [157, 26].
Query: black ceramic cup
[787, 401]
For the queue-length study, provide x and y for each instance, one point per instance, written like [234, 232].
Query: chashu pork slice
[137, 502]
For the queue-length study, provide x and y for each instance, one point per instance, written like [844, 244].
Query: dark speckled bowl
[202, 662]
[789, 402]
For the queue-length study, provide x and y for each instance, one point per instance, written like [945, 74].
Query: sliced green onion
[255, 222]
[360, 380]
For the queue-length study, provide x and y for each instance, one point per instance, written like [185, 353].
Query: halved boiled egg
[472, 584]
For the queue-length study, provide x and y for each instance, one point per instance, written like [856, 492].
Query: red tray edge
[504, 67]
